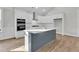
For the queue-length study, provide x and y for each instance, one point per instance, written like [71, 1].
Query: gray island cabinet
[38, 39]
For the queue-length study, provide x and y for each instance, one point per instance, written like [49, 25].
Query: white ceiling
[40, 10]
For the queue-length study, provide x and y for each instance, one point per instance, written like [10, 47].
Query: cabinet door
[0, 19]
[39, 39]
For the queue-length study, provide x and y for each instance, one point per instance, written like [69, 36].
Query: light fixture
[44, 10]
[36, 7]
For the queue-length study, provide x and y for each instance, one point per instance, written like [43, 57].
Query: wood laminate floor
[11, 44]
[68, 44]
[62, 44]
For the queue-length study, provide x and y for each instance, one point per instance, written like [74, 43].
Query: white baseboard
[68, 34]
[71, 34]
[59, 33]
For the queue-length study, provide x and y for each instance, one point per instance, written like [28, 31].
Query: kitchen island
[36, 38]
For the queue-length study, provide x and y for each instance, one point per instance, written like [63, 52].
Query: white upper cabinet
[0, 20]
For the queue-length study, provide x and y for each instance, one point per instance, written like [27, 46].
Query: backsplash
[41, 25]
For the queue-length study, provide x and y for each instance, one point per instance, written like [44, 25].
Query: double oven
[21, 24]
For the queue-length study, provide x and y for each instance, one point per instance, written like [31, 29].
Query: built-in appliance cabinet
[20, 23]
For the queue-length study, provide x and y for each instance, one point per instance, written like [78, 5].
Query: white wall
[70, 21]
[78, 22]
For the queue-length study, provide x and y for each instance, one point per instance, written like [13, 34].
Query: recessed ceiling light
[44, 10]
[36, 7]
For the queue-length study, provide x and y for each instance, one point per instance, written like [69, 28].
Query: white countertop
[33, 30]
